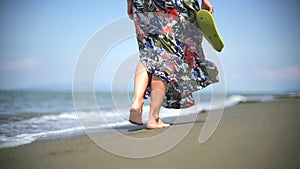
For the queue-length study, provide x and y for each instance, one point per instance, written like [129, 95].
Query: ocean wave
[235, 99]
[14, 133]
[24, 128]
[27, 138]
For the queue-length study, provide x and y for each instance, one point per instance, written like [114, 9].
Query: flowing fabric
[170, 48]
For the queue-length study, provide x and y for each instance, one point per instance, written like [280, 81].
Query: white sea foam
[28, 130]
[45, 125]
[235, 99]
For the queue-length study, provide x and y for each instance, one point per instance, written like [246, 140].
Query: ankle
[153, 119]
[137, 105]
[137, 101]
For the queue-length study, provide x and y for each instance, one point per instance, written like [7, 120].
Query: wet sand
[257, 135]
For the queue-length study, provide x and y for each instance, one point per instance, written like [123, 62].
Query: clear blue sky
[41, 40]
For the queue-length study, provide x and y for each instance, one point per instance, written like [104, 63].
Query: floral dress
[170, 48]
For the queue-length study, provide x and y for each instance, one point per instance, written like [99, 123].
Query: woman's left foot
[136, 111]
[156, 124]
[135, 117]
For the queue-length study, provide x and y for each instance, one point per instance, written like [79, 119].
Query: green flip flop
[209, 29]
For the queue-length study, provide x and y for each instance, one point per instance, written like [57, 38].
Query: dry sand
[257, 136]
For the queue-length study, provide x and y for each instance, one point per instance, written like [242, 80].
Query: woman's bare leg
[141, 81]
[158, 90]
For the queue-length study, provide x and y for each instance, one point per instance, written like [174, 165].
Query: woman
[172, 64]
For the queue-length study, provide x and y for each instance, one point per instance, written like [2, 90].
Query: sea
[30, 115]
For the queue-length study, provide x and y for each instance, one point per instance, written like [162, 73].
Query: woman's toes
[157, 124]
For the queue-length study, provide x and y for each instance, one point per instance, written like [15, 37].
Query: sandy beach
[257, 135]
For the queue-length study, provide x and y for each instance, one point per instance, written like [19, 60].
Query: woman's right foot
[156, 124]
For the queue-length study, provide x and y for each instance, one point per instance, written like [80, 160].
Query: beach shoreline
[253, 135]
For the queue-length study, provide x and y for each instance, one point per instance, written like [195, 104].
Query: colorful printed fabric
[170, 47]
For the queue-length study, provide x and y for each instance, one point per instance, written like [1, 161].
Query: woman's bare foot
[135, 116]
[156, 124]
